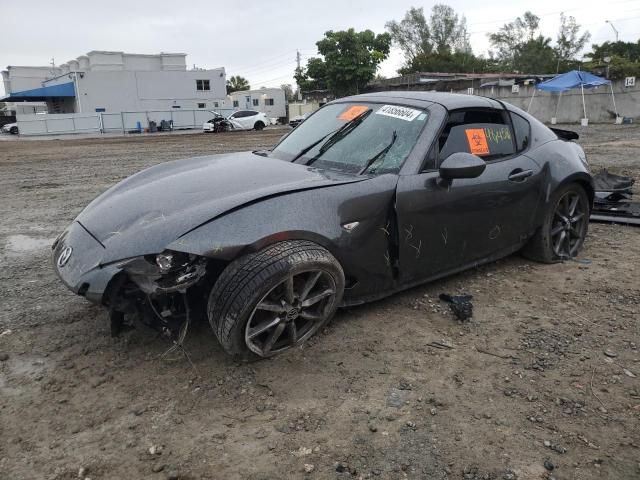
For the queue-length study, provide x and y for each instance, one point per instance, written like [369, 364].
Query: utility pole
[297, 70]
[614, 29]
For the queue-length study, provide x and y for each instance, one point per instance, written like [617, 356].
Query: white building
[270, 101]
[103, 81]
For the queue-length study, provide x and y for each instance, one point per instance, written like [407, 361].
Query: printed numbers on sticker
[403, 113]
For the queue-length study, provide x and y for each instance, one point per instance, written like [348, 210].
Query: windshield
[355, 137]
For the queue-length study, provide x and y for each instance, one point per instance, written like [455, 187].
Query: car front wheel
[564, 228]
[13, 130]
[270, 301]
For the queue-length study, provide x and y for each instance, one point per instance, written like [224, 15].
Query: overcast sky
[258, 39]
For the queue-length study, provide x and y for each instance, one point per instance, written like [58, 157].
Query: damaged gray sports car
[372, 194]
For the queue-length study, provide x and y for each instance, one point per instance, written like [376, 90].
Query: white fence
[123, 122]
[45, 124]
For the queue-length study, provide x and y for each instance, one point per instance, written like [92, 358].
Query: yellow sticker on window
[353, 112]
[477, 141]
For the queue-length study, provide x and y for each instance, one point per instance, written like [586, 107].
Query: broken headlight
[165, 272]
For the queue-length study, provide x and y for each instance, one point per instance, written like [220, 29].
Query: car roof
[450, 101]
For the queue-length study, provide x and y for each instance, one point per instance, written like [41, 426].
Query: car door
[238, 119]
[445, 226]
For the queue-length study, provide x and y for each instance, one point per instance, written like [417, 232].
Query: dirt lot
[546, 373]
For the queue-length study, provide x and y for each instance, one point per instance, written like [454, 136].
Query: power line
[548, 14]
[266, 69]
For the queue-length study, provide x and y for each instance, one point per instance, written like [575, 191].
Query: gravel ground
[543, 382]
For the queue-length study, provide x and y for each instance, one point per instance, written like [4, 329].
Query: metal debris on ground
[460, 305]
[613, 202]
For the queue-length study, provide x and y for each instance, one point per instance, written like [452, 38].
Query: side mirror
[462, 165]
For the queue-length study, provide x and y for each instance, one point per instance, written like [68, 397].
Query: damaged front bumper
[77, 259]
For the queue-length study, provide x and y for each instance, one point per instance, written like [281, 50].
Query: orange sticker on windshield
[477, 141]
[353, 112]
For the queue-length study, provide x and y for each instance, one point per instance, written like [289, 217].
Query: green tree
[448, 31]
[288, 91]
[440, 43]
[411, 34]
[350, 61]
[519, 47]
[512, 36]
[623, 58]
[569, 42]
[535, 56]
[458, 62]
[237, 83]
[313, 77]
[625, 50]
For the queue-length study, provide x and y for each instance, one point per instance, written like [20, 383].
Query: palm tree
[236, 83]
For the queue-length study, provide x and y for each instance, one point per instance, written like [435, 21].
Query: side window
[522, 132]
[481, 132]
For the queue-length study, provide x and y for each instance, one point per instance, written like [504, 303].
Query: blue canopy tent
[571, 80]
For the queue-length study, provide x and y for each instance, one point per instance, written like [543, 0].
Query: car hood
[147, 211]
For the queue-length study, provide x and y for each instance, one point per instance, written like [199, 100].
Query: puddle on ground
[18, 245]
[22, 370]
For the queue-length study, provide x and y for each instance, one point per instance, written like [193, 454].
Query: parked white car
[249, 120]
[10, 128]
[241, 120]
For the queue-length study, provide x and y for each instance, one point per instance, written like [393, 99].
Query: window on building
[203, 85]
[98, 110]
[216, 105]
[202, 105]
[256, 102]
[268, 102]
[236, 104]
[175, 106]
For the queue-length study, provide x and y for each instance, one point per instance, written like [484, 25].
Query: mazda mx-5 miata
[372, 194]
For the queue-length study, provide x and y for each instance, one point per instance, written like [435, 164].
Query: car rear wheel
[564, 229]
[267, 302]
[259, 126]
[13, 130]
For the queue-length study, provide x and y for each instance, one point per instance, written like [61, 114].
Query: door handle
[519, 175]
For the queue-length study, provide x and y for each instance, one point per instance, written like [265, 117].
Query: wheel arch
[348, 220]
[582, 179]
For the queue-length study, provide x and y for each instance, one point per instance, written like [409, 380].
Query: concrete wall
[18, 79]
[117, 91]
[246, 99]
[297, 109]
[599, 103]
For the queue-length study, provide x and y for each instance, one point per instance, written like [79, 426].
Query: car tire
[562, 232]
[272, 300]
[259, 126]
[13, 130]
